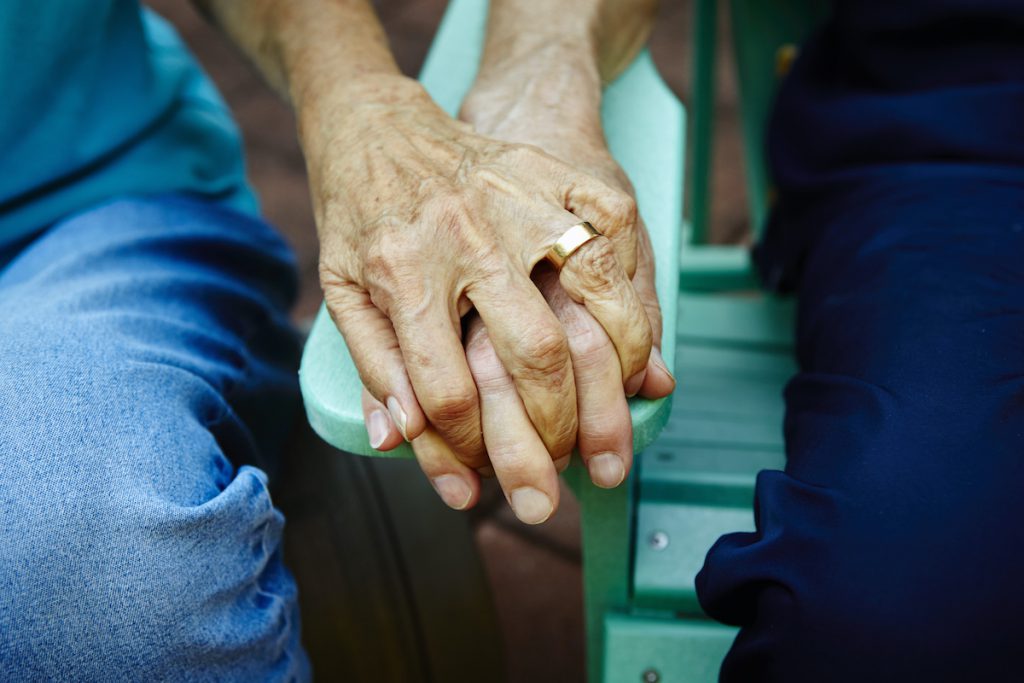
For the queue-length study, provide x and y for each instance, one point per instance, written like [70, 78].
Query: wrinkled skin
[517, 454]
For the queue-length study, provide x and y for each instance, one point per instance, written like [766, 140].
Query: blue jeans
[148, 382]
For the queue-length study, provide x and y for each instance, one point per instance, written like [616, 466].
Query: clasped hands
[468, 343]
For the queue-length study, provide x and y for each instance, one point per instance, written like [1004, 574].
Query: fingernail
[659, 360]
[377, 428]
[398, 415]
[453, 491]
[634, 383]
[530, 505]
[562, 463]
[606, 470]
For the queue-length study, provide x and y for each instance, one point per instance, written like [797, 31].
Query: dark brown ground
[536, 580]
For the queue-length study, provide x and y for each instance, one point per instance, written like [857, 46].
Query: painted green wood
[715, 474]
[606, 520]
[644, 124]
[646, 648]
[672, 540]
[702, 121]
[736, 321]
[715, 268]
[696, 481]
[760, 365]
[759, 29]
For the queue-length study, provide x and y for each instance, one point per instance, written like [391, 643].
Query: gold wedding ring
[571, 240]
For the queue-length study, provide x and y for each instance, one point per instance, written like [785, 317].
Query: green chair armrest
[644, 124]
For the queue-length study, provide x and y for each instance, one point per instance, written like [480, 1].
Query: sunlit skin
[425, 220]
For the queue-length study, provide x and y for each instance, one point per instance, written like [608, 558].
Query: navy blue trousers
[892, 546]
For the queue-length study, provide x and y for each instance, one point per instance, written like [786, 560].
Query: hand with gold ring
[516, 454]
[421, 220]
[548, 96]
[571, 240]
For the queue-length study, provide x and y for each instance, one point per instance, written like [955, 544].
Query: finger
[605, 438]
[457, 485]
[517, 453]
[428, 333]
[532, 346]
[375, 351]
[380, 428]
[611, 210]
[659, 380]
[592, 276]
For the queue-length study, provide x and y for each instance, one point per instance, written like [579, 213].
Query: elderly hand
[421, 219]
[516, 452]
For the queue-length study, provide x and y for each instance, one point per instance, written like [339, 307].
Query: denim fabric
[148, 382]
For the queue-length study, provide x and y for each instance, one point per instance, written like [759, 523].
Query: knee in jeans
[133, 582]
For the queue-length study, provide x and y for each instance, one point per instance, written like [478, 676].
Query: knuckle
[456, 405]
[599, 258]
[591, 349]
[405, 304]
[517, 459]
[621, 209]
[596, 266]
[388, 262]
[544, 351]
[603, 429]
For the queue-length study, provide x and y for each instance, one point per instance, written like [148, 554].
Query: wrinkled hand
[517, 454]
[421, 219]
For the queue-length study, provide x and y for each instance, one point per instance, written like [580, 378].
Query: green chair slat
[696, 481]
[730, 320]
[711, 398]
[733, 433]
[693, 362]
[644, 124]
[668, 650]
[672, 540]
[715, 268]
[715, 473]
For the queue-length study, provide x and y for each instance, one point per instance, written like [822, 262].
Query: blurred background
[534, 572]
